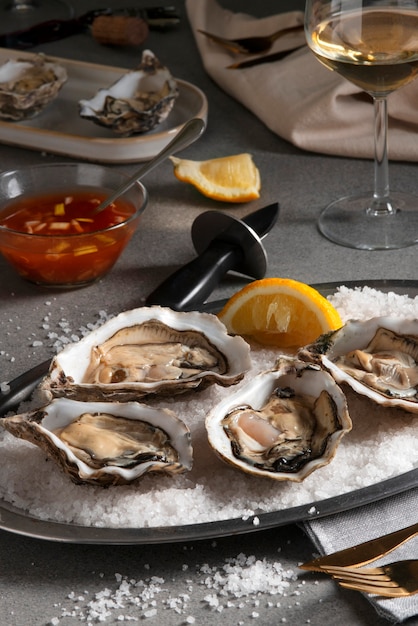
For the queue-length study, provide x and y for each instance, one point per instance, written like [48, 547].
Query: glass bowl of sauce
[48, 229]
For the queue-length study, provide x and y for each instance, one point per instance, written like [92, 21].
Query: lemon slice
[231, 179]
[279, 312]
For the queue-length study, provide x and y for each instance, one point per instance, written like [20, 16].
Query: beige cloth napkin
[298, 98]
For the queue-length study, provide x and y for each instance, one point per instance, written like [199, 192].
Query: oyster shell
[378, 358]
[284, 424]
[28, 85]
[106, 443]
[137, 102]
[150, 350]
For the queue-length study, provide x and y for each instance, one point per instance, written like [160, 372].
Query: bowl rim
[40, 236]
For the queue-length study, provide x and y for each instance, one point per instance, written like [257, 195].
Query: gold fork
[365, 552]
[251, 45]
[395, 580]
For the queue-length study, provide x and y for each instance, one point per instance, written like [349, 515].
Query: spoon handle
[189, 133]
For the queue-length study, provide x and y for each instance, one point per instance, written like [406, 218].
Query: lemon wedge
[279, 312]
[230, 179]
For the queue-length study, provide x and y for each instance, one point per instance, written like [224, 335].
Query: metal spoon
[189, 133]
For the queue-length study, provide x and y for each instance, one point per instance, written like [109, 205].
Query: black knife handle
[189, 286]
[44, 32]
[51, 30]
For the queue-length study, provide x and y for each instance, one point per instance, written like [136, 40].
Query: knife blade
[54, 30]
[223, 243]
[268, 58]
[363, 553]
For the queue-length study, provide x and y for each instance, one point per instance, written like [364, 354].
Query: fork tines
[392, 581]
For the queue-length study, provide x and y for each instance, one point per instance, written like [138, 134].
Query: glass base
[22, 14]
[351, 222]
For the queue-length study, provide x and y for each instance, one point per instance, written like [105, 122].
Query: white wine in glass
[373, 44]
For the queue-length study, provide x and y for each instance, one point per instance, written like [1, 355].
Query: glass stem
[381, 204]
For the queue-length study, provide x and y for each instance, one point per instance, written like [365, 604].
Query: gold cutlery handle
[364, 552]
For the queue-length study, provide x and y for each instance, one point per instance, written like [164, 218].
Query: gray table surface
[40, 579]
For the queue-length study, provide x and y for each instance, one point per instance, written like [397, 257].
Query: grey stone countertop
[47, 582]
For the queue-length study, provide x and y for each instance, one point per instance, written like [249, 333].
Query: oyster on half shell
[148, 351]
[136, 102]
[28, 85]
[284, 424]
[106, 443]
[378, 358]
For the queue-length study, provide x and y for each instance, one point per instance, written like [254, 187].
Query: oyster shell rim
[62, 380]
[286, 366]
[144, 120]
[324, 348]
[28, 105]
[109, 475]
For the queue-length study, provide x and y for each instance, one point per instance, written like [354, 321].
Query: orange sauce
[56, 255]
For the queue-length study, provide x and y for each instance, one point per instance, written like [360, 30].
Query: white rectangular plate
[59, 129]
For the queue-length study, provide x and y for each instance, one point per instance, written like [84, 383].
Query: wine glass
[374, 44]
[21, 14]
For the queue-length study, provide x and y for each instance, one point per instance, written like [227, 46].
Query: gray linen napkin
[298, 98]
[343, 530]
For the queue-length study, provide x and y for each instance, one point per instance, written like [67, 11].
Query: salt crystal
[4, 388]
[212, 600]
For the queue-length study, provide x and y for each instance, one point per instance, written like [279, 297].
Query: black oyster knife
[223, 243]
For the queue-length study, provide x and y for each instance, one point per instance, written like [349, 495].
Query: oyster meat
[150, 350]
[106, 443]
[28, 85]
[137, 102]
[377, 358]
[283, 424]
